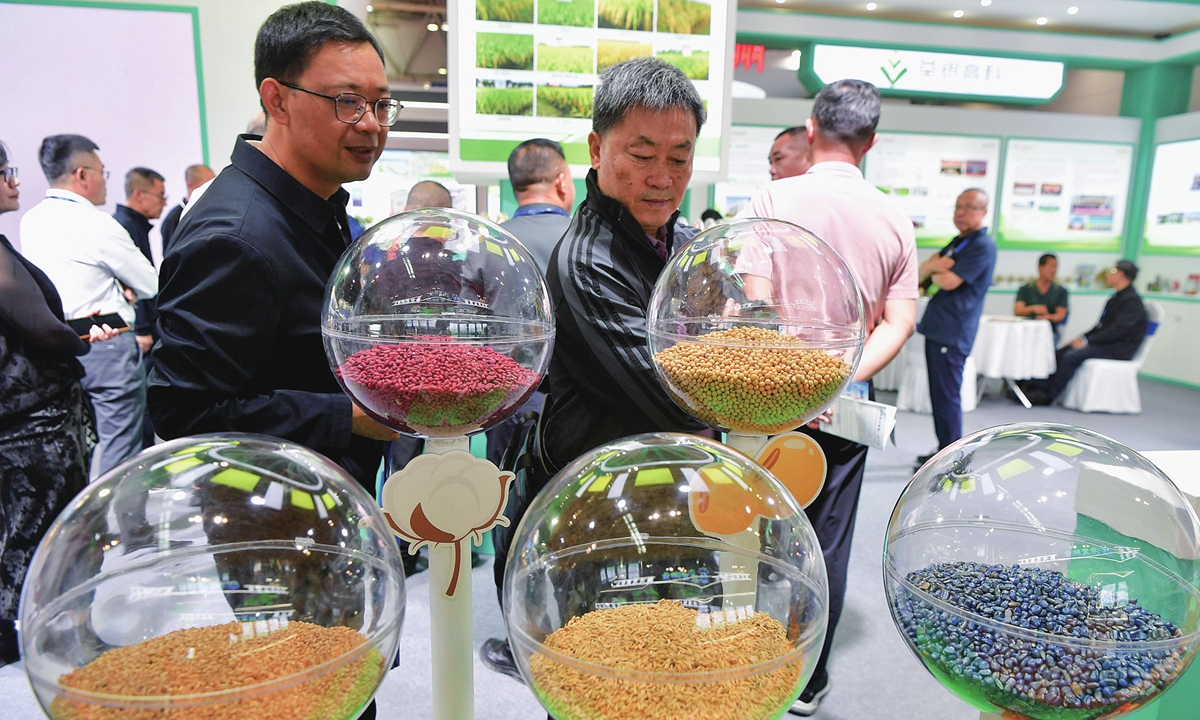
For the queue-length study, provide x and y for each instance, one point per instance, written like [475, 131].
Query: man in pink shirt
[877, 241]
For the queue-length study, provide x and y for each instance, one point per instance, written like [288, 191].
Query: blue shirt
[952, 317]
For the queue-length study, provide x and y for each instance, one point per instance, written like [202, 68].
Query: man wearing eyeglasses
[98, 271]
[243, 283]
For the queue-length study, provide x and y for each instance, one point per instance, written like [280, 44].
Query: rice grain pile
[752, 379]
[664, 637]
[215, 658]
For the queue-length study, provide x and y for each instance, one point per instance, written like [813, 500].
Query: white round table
[1012, 348]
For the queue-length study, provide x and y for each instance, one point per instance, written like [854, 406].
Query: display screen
[1173, 209]
[1064, 195]
[749, 168]
[529, 68]
[925, 174]
[385, 192]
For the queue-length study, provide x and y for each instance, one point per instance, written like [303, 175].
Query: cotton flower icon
[440, 499]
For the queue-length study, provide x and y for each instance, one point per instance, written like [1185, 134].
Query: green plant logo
[893, 70]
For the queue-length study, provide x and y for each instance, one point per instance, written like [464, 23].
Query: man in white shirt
[876, 240]
[98, 271]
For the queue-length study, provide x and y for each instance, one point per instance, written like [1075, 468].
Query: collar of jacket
[134, 215]
[314, 210]
[614, 213]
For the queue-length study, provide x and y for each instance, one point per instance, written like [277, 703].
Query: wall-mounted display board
[529, 68]
[385, 192]
[1063, 195]
[925, 174]
[749, 167]
[1173, 208]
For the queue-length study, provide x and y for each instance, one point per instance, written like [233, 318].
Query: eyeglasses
[161, 196]
[350, 107]
[9, 175]
[970, 207]
[102, 172]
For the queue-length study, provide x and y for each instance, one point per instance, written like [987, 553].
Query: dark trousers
[832, 517]
[1069, 359]
[945, 365]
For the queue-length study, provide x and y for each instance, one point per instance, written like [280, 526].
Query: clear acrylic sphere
[1046, 571]
[438, 323]
[218, 576]
[756, 326]
[664, 576]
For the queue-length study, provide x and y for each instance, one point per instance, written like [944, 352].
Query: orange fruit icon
[798, 462]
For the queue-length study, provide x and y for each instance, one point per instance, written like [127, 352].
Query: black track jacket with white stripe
[602, 381]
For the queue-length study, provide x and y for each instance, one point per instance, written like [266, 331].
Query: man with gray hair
[193, 177]
[877, 241]
[646, 117]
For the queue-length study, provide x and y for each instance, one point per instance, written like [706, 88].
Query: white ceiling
[1129, 18]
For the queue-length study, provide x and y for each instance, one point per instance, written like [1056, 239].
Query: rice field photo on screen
[564, 101]
[502, 97]
[565, 58]
[517, 11]
[684, 17]
[693, 63]
[577, 13]
[626, 14]
[611, 52]
[502, 51]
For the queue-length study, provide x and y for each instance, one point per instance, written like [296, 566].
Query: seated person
[1043, 298]
[1118, 335]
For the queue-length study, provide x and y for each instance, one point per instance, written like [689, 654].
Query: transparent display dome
[665, 576]
[1044, 571]
[218, 576]
[756, 326]
[437, 323]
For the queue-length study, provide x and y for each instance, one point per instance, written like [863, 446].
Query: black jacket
[241, 293]
[138, 226]
[602, 381]
[169, 224]
[1122, 326]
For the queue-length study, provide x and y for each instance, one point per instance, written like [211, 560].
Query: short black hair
[796, 131]
[1045, 258]
[647, 82]
[57, 151]
[1128, 268]
[711, 214]
[534, 161]
[847, 110]
[140, 177]
[293, 34]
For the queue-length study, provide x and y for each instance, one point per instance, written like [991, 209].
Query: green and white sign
[1062, 195]
[1173, 208]
[918, 73]
[529, 68]
[925, 174]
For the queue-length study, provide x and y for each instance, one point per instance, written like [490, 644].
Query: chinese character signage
[916, 73]
[529, 68]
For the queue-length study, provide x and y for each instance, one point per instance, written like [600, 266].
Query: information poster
[529, 68]
[385, 192]
[925, 174]
[1173, 209]
[749, 168]
[1064, 195]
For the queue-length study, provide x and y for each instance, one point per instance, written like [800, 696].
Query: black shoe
[413, 564]
[810, 699]
[922, 459]
[497, 655]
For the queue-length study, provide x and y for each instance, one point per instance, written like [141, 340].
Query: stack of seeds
[751, 379]
[1036, 675]
[665, 637]
[222, 659]
[447, 388]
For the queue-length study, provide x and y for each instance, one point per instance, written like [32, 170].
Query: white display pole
[747, 444]
[451, 630]
[731, 565]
